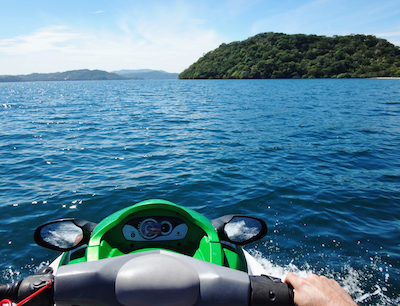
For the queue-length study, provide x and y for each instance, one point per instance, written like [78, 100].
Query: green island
[277, 55]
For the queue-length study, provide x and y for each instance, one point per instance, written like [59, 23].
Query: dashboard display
[155, 228]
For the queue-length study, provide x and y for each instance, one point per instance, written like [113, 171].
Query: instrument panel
[158, 228]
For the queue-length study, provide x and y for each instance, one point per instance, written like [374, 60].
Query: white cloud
[48, 38]
[389, 34]
[393, 37]
[308, 18]
[145, 45]
[333, 17]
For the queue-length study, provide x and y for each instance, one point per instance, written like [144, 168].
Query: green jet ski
[152, 253]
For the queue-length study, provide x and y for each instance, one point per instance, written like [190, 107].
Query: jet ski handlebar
[158, 278]
[31, 291]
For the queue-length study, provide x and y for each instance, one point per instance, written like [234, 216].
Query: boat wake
[350, 279]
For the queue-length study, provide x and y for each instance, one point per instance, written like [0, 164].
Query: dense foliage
[277, 55]
[74, 75]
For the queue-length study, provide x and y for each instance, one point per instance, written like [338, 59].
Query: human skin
[318, 291]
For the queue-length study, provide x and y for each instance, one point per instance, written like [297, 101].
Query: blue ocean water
[318, 160]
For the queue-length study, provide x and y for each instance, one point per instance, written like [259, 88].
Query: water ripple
[317, 159]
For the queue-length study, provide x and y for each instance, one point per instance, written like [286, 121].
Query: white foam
[349, 278]
[276, 270]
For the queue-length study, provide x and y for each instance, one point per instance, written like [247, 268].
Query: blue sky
[49, 36]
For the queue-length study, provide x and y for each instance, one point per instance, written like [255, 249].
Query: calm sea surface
[318, 160]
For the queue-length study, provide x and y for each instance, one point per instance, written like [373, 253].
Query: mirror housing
[64, 234]
[239, 229]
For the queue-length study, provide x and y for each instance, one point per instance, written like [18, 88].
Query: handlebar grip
[9, 291]
[34, 283]
[266, 290]
[27, 288]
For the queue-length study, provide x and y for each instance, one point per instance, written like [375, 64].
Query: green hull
[200, 241]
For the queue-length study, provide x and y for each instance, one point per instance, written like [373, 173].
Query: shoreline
[387, 78]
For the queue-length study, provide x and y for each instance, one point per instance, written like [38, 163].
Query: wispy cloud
[393, 37]
[331, 17]
[44, 39]
[389, 34]
[167, 38]
[305, 18]
[154, 45]
[199, 21]
[98, 12]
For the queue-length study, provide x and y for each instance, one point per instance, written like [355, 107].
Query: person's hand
[318, 291]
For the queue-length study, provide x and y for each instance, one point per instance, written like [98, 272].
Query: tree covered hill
[278, 55]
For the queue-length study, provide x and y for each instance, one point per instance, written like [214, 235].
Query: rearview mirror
[64, 234]
[240, 230]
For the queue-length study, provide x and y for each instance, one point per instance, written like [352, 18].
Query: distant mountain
[147, 74]
[74, 75]
[127, 71]
[10, 78]
[85, 74]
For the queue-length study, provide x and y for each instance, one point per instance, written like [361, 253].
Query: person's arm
[318, 291]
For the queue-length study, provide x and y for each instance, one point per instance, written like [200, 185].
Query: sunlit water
[318, 160]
